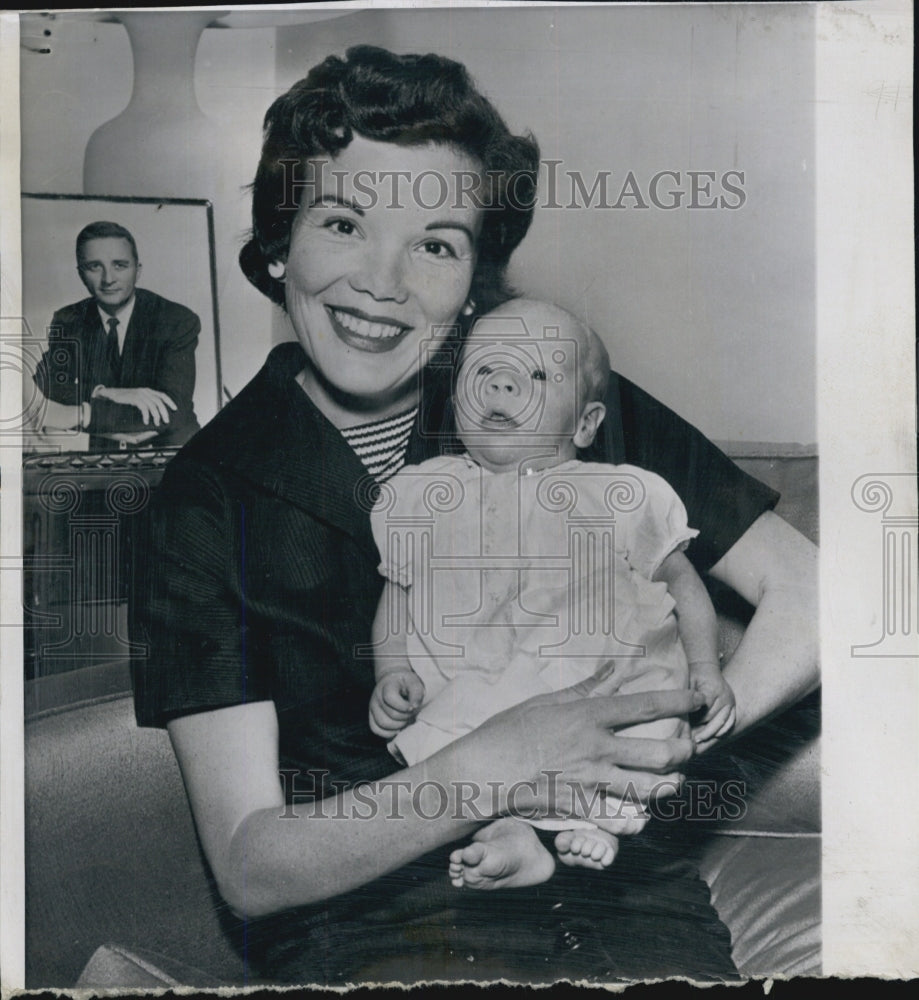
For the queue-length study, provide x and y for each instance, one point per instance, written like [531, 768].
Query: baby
[515, 570]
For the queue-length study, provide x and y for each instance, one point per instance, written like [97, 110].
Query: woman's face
[381, 259]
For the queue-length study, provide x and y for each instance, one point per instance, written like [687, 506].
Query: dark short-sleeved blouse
[259, 581]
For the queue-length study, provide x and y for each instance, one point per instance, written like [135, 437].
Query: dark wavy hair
[408, 100]
[101, 231]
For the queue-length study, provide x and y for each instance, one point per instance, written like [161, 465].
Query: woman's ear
[591, 417]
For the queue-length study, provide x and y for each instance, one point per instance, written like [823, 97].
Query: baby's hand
[394, 702]
[719, 714]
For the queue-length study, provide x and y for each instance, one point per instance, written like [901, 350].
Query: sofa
[118, 895]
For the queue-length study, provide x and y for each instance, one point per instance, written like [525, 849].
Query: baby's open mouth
[498, 418]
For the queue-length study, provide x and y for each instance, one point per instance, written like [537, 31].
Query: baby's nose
[502, 383]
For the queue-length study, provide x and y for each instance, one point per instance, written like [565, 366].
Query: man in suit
[122, 360]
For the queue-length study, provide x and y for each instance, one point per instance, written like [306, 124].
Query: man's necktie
[114, 358]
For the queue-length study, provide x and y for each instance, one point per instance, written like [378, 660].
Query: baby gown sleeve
[399, 493]
[656, 527]
[403, 508]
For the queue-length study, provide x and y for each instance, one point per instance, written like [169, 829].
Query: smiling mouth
[368, 333]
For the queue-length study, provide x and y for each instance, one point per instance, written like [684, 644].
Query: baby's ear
[591, 417]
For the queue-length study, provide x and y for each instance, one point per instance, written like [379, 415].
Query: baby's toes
[609, 854]
[596, 850]
[472, 854]
[563, 841]
[578, 844]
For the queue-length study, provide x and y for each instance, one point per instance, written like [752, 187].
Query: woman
[388, 200]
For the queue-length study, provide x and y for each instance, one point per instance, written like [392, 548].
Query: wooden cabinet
[84, 519]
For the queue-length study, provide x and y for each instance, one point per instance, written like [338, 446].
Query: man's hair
[100, 231]
[408, 100]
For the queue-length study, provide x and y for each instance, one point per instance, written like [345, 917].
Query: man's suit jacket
[158, 352]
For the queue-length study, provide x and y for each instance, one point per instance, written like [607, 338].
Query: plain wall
[711, 310]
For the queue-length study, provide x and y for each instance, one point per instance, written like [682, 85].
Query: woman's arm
[774, 568]
[266, 860]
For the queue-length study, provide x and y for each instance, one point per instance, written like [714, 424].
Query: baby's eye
[484, 370]
[539, 375]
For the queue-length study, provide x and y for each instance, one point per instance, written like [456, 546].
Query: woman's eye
[539, 375]
[484, 370]
[343, 226]
[437, 249]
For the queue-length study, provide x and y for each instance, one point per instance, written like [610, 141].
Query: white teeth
[364, 328]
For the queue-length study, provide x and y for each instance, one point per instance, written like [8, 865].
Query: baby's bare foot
[505, 854]
[586, 848]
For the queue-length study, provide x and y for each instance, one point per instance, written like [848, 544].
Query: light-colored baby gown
[521, 585]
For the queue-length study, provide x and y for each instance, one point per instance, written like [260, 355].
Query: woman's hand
[394, 702]
[558, 755]
[551, 755]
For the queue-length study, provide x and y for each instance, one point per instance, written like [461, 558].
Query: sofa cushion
[767, 890]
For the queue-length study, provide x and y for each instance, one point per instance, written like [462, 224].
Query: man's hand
[154, 405]
[720, 713]
[394, 702]
[138, 437]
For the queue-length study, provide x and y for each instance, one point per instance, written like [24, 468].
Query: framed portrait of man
[144, 268]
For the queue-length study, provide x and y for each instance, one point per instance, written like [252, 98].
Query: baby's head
[530, 387]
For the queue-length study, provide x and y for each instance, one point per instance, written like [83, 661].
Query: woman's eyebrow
[451, 225]
[333, 200]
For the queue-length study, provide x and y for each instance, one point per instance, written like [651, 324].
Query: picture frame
[175, 240]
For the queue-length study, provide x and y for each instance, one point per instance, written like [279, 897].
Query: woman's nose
[382, 277]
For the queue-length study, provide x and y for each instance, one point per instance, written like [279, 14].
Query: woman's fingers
[620, 804]
[639, 786]
[618, 711]
[644, 754]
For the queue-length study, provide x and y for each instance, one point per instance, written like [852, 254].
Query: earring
[276, 269]
[469, 308]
